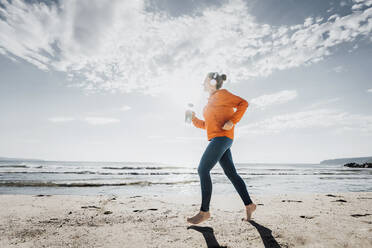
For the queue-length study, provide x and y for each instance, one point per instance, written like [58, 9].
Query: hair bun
[223, 77]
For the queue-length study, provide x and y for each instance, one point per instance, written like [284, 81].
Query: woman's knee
[201, 170]
[231, 174]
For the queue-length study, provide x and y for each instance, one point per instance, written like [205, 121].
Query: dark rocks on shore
[356, 165]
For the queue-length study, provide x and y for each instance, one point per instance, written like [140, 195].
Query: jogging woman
[220, 120]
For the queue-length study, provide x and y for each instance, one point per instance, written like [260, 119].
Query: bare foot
[200, 217]
[249, 209]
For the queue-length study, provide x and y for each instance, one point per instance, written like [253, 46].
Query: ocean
[139, 178]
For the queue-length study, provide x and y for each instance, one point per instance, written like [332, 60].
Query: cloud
[125, 108]
[359, 4]
[319, 118]
[61, 119]
[119, 46]
[369, 90]
[273, 99]
[89, 120]
[338, 69]
[178, 139]
[322, 103]
[100, 120]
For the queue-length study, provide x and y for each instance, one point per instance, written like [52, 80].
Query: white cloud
[338, 69]
[100, 120]
[272, 99]
[118, 46]
[125, 108]
[323, 102]
[361, 3]
[89, 120]
[369, 90]
[178, 139]
[61, 119]
[319, 118]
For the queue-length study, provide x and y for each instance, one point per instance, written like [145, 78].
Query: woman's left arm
[239, 103]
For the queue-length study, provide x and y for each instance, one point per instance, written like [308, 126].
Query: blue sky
[110, 81]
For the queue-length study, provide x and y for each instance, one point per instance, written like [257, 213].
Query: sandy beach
[287, 220]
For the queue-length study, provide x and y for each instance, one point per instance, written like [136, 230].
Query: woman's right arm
[197, 122]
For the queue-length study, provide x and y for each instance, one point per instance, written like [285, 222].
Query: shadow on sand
[208, 235]
[266, 236]
[265, 233]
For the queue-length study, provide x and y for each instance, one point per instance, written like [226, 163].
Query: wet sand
[286, 220]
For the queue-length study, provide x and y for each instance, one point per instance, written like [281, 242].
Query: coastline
[281, 220]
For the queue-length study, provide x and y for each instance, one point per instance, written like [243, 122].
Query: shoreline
[281, 220]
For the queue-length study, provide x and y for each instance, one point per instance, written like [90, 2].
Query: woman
[219, 123]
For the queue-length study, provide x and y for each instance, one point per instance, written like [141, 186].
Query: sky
[94, 80]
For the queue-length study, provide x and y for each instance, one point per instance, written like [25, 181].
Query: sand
[287, 220]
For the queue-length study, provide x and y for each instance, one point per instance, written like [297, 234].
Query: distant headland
[359, 160]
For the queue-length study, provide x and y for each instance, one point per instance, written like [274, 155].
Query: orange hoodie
[220, 109]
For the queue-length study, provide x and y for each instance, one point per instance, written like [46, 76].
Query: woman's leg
[227, 164]
[213, 153]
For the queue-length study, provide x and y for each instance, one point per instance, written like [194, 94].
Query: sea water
[131, 178]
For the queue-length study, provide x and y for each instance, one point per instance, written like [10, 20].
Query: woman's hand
[228, 125]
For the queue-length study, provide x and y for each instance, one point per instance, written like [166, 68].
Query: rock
[367, 165]
[107, 212]
[355, 165]
[352, 165]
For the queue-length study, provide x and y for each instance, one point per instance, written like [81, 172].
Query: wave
[146, 168]
[315, 173]
[347, 178]
[56, 184]
[103, 173]
[14, 166]
[20, 166]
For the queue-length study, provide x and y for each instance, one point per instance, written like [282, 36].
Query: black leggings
[218, 150]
